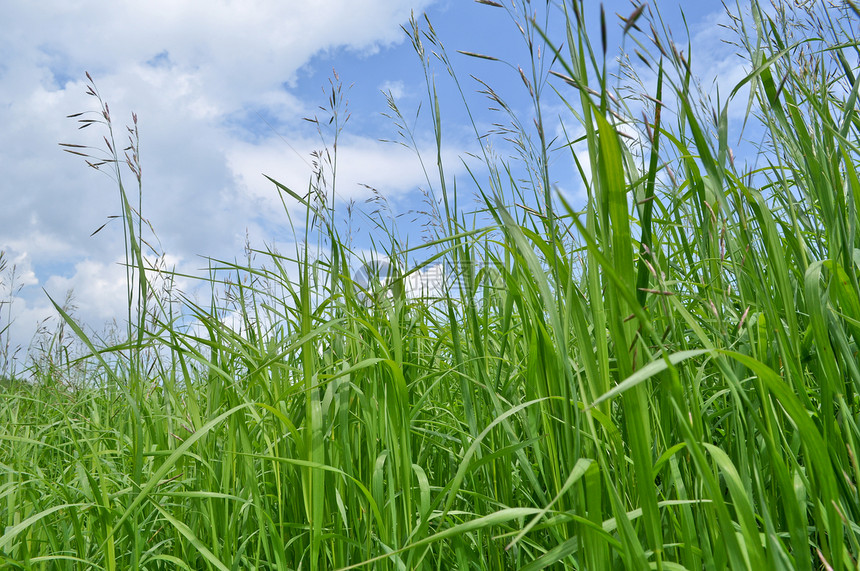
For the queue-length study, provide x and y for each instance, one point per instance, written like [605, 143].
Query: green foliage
[668, 379]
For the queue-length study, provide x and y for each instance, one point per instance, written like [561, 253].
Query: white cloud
[197, 74]
[391, 169]
[397, 89]
[96, 292]
[19, 272]
[99, 289]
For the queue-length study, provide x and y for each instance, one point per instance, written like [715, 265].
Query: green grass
[667, 379]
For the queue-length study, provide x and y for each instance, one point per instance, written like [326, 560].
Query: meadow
[667, 378]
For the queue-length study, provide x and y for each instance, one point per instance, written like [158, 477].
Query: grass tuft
[666, 378]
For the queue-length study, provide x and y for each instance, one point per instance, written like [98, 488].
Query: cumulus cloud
[397, 89]
[99, 289]
[364, 166]
[203, 78]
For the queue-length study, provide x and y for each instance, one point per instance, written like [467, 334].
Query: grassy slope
[668, 379]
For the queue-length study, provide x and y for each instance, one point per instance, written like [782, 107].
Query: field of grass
[668, 379]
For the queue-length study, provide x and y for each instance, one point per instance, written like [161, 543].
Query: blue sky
[221, 91]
